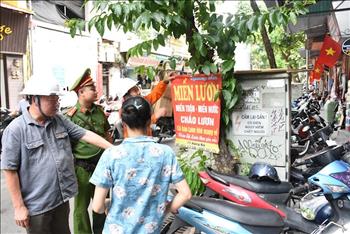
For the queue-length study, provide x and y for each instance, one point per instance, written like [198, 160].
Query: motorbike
[304, 167]
[5, 120]
[164, 128]
[210, 215]
[267, 194]
[246, 191]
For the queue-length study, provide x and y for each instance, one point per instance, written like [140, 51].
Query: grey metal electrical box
[261, 120]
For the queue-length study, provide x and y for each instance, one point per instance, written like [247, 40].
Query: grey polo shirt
[43, 159]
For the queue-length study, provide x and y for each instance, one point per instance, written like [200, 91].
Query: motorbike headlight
[337, 188]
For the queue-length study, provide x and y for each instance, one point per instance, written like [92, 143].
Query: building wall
[66, 58]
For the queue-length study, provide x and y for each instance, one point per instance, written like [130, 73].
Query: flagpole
[307, 67]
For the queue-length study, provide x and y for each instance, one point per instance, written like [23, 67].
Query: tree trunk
[265, 37]
[224, 161]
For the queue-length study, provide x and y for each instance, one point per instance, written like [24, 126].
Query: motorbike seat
[267, 187]
[239, 213]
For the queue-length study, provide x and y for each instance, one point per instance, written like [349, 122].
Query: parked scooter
[304, 167]
[243, 190]
[164, 128]
[5, 120]
[211, 215]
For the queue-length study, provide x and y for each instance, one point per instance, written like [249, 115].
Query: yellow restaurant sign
[16, 5]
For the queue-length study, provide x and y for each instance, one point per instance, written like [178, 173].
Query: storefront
[14, 22]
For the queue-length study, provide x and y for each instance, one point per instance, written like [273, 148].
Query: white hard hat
[42, 86]
[124, 85]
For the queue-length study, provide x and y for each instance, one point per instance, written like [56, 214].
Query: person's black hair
[136, 112]
[29, 99]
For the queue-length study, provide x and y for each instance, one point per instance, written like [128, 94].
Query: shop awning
[142, 61]
[20, 6]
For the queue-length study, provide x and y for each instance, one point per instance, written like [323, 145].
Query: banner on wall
[196, 112]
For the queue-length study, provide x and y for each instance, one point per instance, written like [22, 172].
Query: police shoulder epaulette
[71, 111]
[100, 107]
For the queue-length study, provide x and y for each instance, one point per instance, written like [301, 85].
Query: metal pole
[307, 68]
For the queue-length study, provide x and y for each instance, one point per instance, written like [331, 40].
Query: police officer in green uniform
[89, 116]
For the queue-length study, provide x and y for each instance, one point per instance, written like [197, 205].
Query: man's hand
[169, 77]
[22, 216]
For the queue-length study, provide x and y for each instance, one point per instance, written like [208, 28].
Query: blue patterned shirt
[139, 172]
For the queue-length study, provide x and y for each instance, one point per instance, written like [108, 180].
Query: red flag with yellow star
[318, 70]
[330, 52]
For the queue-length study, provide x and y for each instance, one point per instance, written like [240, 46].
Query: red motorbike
[248, 192]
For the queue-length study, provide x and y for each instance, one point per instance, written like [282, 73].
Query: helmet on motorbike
[315, 208]
[136, 112]
[124, 85]
[324, 213]
[41, 86]
[263, 171]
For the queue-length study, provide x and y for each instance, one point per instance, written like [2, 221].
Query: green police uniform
[86, 158]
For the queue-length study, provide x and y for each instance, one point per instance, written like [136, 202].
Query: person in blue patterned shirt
[139, 172]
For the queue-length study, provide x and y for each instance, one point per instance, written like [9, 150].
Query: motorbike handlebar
[299, 189]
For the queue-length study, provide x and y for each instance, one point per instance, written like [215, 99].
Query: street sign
[346, 47]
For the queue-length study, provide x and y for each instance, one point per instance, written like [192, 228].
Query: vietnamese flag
[318, 70]
[330, 52]
[311, 77]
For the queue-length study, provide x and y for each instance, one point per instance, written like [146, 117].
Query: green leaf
[213, 68]
[252, 23]
[161, 40]
[227, 66]
[91, 23]
[262, 20]
[227, 95]
[206, 69]
[110, 22]
[293, 18]
[172, 64]
[177, 19]
[140, 50]
[242, 26]
[229, 18]
[137, 22]
[155, 45]
[150, 72]
[233, 101]
[167, 20]
[225, 117]
[213, 38]
[280, 18]
[217, 95]
[103, 5]
[192, 63]
[232, 84]
[203, 51]
[198, 42]
[72, 31]
[274, 17]
[212, 6]
[100, 26]
[158, 16]
[117, 9]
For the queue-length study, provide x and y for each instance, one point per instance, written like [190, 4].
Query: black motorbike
[5, 120]
[164, 128]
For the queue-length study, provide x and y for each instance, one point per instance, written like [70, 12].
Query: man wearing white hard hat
[128, 88]
[37, 160]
